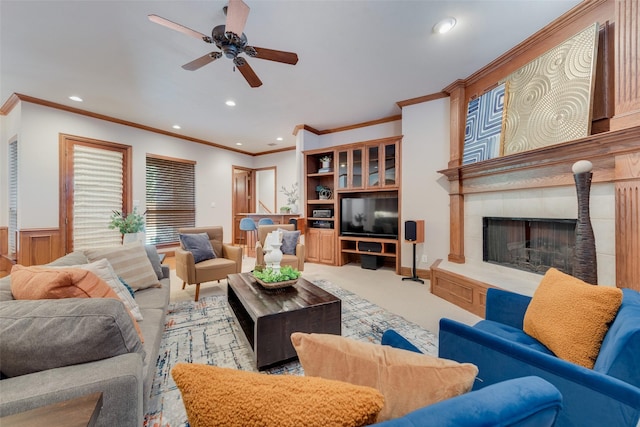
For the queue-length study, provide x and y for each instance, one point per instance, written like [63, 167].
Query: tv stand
[350, 249]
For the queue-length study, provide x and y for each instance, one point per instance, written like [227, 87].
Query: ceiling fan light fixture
[445, 25]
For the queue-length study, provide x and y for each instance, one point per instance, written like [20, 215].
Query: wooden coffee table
[269, 317]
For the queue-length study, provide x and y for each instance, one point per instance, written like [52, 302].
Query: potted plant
[129, 224]
[325, 161]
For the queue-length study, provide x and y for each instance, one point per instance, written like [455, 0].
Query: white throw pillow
[129, 262]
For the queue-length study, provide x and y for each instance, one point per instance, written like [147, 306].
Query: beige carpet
[411, 300]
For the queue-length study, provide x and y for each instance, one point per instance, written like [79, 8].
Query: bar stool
[248, 225]
[265, 221]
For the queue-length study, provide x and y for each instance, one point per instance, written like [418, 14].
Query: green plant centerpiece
[270, 278]
[133, 222]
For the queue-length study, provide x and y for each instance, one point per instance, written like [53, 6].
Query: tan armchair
[296, 261]
[228, 260]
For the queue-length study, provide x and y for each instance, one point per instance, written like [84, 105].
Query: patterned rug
[205, 332]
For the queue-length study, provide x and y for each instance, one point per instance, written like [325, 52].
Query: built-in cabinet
[366, 167]
[320, 207]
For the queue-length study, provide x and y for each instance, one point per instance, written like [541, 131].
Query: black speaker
[370, 246]
[414, 231]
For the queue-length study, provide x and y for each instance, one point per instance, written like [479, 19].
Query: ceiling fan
[232, 42]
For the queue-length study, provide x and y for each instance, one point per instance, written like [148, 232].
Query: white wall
[425, 192]
[286, 173]
[39, 129]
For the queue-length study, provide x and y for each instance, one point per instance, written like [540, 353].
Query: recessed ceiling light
[176, 127]
[238, 143]
[444, 25]
[279, 138]
[231, 103]
[75, 98]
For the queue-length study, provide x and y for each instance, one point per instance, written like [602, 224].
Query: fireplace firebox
[529, 244]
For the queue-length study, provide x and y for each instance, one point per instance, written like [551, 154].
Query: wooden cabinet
[320, 245]
[370, 166]
[320, 207]
[352, 247]
[365, 168]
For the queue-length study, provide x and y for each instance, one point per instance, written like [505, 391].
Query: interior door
[242, 200]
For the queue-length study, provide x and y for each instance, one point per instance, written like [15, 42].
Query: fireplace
[529, 244]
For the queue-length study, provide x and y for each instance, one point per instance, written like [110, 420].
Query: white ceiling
[357, 58]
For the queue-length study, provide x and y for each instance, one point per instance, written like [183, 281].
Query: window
[170, 198]
[13, 196]
[97, 192]
[95, 181]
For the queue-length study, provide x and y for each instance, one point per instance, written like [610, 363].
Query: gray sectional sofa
[78, 346]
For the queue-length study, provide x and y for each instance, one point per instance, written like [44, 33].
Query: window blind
[97, 192]
[13, 196]
[170, 199]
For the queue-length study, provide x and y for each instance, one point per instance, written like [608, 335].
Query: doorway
[254, 190]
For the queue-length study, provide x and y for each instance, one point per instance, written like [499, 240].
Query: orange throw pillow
[48, 283]
[215, 396]
[571, 317]
[36, 282]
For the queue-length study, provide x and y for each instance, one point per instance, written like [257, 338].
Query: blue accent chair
[607, 395]
[521, 402]
[265, 221]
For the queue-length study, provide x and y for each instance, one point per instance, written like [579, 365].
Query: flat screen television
[369, 217]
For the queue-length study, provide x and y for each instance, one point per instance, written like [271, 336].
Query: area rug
[205, 332]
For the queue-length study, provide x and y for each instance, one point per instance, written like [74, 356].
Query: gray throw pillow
[199, 245]
[152, 254]
[36, 335]
[289, 241]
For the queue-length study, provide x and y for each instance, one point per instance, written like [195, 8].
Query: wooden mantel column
[627, 75]
[457, 108]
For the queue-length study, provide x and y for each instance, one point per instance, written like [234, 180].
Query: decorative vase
[132, 237]
[326, 165]
[273, 254]
[293, 208]
[584, 264]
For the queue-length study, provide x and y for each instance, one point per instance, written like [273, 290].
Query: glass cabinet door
[389, 164]
[357, 168]
[372, 167]
[343, 169]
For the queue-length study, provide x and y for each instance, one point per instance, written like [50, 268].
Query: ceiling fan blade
[250, 76]
[177, 27]
[276, 55]
[237, 13]
[202, 61]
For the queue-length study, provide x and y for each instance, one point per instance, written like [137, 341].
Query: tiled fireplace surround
[539, 184]
[557, 202]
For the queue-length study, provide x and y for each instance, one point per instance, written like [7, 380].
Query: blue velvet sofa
[521, 402]
[607, 395]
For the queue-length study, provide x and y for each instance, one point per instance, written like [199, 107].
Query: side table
[79, 412]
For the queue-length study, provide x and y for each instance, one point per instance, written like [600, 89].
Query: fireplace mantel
[549, 166]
